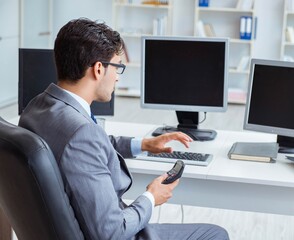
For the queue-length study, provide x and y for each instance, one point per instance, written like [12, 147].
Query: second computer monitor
[270, 101]
[36, 71]
[188, 75]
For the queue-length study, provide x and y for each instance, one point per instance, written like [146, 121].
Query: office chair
[32, 192]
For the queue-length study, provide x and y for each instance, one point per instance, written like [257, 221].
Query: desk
[225, 183]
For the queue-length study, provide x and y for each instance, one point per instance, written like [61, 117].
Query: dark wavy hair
[82, 42]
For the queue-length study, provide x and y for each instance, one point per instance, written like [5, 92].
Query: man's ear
[98, 70]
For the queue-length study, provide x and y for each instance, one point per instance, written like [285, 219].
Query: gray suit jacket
[95, 175]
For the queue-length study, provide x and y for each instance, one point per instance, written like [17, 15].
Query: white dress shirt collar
[81, 101]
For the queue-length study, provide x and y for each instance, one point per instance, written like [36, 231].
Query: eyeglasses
[120, 68]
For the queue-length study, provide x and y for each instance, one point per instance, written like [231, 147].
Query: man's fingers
[167, 150]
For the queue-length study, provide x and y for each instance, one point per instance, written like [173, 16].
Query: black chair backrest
[31, 188]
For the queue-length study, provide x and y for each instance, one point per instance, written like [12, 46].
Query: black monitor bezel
[188, 108]
[98, 108]
[257, 127]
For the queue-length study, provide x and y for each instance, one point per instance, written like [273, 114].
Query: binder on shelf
[248, 29]
[243, 64]
[245, 4]
[209, 31]
[289, 34]
[203, 3]
[160, 26]
[242, 27]
[254, 30]
[200, 32]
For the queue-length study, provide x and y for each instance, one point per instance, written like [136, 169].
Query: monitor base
[286, 144]
[289, 150]
[195, 134]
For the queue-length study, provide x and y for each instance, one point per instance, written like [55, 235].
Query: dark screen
[184, 72]
[272, 98]
[36, 71]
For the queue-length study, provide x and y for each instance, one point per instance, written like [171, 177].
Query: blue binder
[248, 30]
[246, 27]
[203, 3]
[242, 27]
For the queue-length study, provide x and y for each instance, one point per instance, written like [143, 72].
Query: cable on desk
[182, 209]
[203, 119]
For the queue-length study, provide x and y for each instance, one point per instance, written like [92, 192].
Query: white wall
[66, 10]
[35, 22]
[269, 29]
[9, 35]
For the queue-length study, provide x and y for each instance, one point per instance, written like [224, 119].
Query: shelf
[232, 70]
[236, 96]
[243, 41]
[134, 35]
[230, 10]
[127, 92]
[289, 44]
[134, 5]
[286, 53]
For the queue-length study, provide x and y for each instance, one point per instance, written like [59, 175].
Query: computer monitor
[270, 101]
[185, 74]
[36, 71]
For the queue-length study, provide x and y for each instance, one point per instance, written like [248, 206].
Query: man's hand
[157, 144]
[161, 192]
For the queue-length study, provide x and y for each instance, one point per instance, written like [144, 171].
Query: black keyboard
[190, 158]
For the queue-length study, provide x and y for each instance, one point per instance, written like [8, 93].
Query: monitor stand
[286, 144]
[188, 124]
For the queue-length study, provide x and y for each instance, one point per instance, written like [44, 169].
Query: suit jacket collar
[58, 93]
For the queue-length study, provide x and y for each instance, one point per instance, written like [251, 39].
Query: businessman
[88, 60]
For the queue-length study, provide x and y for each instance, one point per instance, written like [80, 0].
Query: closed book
[245, 4]
[209, 31]
[200, 32]
[290, 34]
[254, 151]
[243, 64]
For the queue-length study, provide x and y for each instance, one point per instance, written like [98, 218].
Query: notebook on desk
[254, 151]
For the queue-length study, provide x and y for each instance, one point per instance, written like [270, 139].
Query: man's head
[80, 44]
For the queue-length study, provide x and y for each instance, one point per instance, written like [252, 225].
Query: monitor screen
[188, 75]
[36, 71]
[270, 99]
